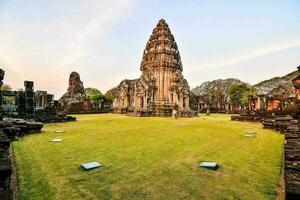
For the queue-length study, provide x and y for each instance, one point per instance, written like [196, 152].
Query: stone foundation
[163, 112]
[246, 118]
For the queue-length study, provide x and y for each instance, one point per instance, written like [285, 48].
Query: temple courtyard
[150, 158]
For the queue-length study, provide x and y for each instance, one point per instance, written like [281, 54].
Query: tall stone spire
[161, 49]
[161, 87]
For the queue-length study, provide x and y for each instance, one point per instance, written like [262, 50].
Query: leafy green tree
[6, 87]
[90, 92]
[110, 94]
[98, 97]
[193, 99]
[216, 91]
[239, 93]
[7, 99]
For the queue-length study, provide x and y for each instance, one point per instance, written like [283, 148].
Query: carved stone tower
[162, 64]
[161, 86]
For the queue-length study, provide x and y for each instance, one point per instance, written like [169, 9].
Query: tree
[193, 100]
[110, 94]
[90, 92]
[215, 92]
[98, 97]
[6, 87]
[239, 93]
[7, 99]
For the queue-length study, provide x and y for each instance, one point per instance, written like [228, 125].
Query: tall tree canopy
[95, 94]
[6, 87]
[215, 91]
[239, 93]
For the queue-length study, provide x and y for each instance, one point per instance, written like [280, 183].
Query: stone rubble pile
[278, 123]
[246, 118]
[51, 115]
[290, 127]
[10, 130]
[5, 167]
[292, 160]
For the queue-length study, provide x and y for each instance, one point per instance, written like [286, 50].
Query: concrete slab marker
[56, 140]
[209, 165]
[91, 165]
[249, 135]
[59, 131]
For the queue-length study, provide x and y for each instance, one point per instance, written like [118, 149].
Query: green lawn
[150, 158]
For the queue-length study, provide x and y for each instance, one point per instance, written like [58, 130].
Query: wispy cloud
[107, 14]
[246, 55]
[43, 43]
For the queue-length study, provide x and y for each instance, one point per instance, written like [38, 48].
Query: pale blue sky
[103, 40]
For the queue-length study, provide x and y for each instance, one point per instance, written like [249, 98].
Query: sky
[103, 40]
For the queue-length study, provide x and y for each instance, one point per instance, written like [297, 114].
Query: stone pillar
[2, 73]
[258, 103]
[29, 99]
[186, 99]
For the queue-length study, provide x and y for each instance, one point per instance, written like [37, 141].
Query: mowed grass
[150, 158]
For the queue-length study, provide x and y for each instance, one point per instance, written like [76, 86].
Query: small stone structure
[47, 109]
[43, 99]
[161, 85]
[270, 103]
[75, 100]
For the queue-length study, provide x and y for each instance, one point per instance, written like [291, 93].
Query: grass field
[149, 158]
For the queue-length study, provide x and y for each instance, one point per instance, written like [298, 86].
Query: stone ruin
[75, 100]
[21, 118]
[47, 110]
[24, 102]
[265, 108]
[43, 100]
[161, 87]
[11, 129]
[28, 104]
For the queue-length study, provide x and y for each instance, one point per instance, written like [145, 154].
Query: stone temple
[161, 87]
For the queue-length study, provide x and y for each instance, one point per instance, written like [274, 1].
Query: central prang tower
[162, 63]
[161, 86]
